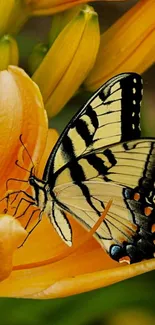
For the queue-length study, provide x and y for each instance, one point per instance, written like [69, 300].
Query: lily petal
[11, 236]
[88, 269]
[22, 107]
[52, 137]
[39, 246]
[92, 281]
[48, 7]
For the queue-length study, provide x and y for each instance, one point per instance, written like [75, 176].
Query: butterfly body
[100, 156]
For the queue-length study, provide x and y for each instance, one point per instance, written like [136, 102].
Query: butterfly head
[31, 179]
[39, 190]
[34, 181]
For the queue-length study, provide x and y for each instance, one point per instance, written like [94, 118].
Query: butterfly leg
[39, 219]
[18, 205]
[24, 212]
[10, 193]
[32, 214]
[14, 199]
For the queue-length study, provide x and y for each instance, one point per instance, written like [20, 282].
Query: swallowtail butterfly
[100, 156]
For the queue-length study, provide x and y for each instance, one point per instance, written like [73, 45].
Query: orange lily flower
[128, 45]
[22, 113]
[43, 267]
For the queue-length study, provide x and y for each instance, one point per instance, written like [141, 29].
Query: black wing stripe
[108, 153]
[56, 224]
[77, 174]
[131, 89]
[93, 116]
[68, 149]
[118, 98]
[97, 163]
[83, 131]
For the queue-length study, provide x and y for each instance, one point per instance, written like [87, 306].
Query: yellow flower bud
[16, 13]
[67, 63]
[8, 52]
[36, 57]
[5, 12]
[128, 45]
[60, 20]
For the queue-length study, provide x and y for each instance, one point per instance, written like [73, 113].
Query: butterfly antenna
[17, 164]
[20, 138]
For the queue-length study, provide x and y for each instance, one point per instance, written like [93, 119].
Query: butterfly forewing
[110, 116]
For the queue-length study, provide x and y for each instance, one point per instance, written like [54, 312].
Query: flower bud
[37, 56]
[67, 63]
[5, 12]
[128, 45]
[13, 15]
[8, 52]
[60, 20]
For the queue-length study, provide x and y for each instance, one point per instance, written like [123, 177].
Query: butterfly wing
[85, 153]
[110, 116]
[128, 229]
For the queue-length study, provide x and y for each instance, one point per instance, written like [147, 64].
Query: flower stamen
[69, 251]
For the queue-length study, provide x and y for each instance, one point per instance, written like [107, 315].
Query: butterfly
[100, 156]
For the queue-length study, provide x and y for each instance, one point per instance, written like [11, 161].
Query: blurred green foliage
[85, 309]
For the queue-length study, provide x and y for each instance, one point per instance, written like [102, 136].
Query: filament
[69, 251]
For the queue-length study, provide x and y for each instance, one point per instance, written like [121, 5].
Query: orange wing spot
[136, 197]
[148, 211]
[125, 259]
[153, 228]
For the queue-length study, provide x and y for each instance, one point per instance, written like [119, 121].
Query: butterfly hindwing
[127, 229]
